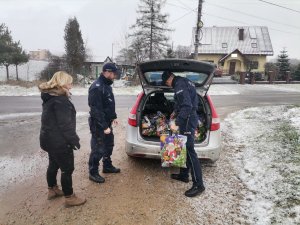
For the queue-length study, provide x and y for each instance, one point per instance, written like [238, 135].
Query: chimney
[241, 34]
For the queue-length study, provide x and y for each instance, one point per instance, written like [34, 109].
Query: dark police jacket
[186, 99]
[102, 105]
[58, 129]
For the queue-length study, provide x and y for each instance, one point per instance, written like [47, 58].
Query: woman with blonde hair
[58, 135]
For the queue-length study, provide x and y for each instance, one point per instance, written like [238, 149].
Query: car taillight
[215, 121]
[132, 114]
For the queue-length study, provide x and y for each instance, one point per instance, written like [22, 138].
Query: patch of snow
[16, 115]
[21, 115]
[266, 163]
[17, 170]
[120, 88]
[283, 87]
[8, 90]
[222, 90]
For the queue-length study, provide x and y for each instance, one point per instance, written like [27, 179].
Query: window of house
[224, 45]
[254, 64]
[210, 61]
[253, 45]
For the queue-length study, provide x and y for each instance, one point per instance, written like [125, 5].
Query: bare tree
[183, 52]
[19, 57]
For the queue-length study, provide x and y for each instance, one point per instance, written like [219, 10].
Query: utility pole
[112, 51]
[198, 28]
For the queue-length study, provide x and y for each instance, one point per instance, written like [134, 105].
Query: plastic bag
[173, 150]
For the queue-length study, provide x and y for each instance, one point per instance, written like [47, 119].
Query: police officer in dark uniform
[102, 115]
[186, 104]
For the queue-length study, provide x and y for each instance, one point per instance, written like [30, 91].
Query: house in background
[235, 49]
[40, 55]
[93, 69]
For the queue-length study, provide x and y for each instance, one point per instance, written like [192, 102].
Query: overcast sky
[39, 24]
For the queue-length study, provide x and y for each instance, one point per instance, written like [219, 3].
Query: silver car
[158, 98]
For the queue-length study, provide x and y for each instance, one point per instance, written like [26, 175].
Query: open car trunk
[155, 112]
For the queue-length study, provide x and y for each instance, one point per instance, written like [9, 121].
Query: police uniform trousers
[101, 148]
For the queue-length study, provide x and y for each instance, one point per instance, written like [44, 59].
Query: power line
[182, 16]
[184, 4]
[255, 16]
[185, 8]
[237, 21]
[179, 6]
[270, 3]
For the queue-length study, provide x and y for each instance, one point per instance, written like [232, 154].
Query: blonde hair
[58, 81]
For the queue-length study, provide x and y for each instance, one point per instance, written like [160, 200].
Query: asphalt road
[223, 103]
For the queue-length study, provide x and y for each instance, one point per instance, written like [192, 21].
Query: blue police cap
[110, 67]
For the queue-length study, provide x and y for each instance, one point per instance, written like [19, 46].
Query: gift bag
[173, 150]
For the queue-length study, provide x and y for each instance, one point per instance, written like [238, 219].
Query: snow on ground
[28, 167]
[16, 115]
[267, 143]
[119, 88]
[283, 87]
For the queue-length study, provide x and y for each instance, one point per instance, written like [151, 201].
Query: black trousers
[65, 162]
[101, 149]
[193, 164]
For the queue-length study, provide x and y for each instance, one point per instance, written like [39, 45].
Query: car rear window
[154, 77]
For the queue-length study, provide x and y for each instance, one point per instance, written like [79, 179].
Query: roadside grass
[21, 83]
[289, 139]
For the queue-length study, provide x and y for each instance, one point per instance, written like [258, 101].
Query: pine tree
[74, 47]
[170, 54]
[283, 64]
[296, 74]
[150, 30]
[10, 52]
[6, 48]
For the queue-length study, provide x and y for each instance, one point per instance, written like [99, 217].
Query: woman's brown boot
[54, 192]
[73, 200]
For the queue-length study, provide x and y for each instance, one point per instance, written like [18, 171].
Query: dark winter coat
[58, 130]
[186, 99]
[102, 104]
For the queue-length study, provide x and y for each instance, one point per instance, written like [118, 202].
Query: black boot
[111, 169]
[96, 178]
[194, 191]
[179, 177]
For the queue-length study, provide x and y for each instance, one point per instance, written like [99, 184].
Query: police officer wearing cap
[186, 104]
[102, 116]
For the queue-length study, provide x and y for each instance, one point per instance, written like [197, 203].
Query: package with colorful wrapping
[173, 150]
[161, 124]
[154, 124]
[200, 132]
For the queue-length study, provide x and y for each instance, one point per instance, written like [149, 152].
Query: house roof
[229, 54]
[224, 40]
[107, 59]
